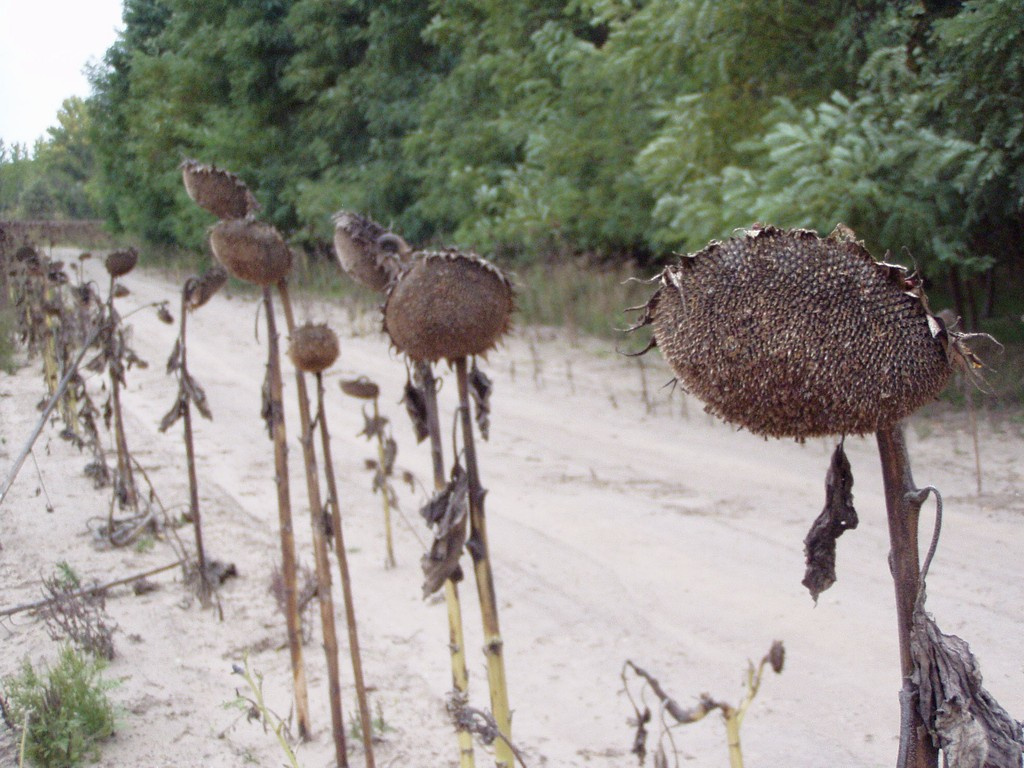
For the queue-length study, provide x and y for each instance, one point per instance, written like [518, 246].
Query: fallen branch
[85, 591]
[57, 395]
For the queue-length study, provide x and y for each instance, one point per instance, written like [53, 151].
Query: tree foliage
[623, 129]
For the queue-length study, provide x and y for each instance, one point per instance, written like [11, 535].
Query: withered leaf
[390, 453]
[373, 426]
[266, 406]
[176, 412]
[446, 513]
[96, 364]
[480, 388]
[837, 517]
[164, 314]
[197, 395]
[967, 724]
[132, 359]
[415, 401]
[174, 361]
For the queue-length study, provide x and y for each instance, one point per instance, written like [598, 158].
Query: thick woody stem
[478, 549]
[456, 638]
[284, 508]
[916, 749]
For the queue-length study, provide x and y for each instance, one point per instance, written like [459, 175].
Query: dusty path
[620, 530]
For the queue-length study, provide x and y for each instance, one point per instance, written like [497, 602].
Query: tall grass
[583, 299]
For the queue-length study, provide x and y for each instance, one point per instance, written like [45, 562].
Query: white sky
[44, 47]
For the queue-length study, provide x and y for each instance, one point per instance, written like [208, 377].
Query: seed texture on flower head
[122, 262]
[447, 305]
[360, 252]
[789, 334]
[251, 250]
[313, 348]
[218, 191]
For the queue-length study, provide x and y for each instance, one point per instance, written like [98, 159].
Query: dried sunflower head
[789, 334]
[313, 348]
[367, 252]
[218, 191]
[447, 305]
[199, 290]
[251, 250]
[361, 388]
[121, 262]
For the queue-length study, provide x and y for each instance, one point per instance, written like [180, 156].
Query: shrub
[63, 713]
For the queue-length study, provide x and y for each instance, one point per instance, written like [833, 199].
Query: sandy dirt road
[620, 529]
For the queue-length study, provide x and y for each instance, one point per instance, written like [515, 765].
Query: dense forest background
[616, 130]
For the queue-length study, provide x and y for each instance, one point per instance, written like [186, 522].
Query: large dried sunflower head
[218, 191]
[789, 334]
[447, 305]
[251, 250]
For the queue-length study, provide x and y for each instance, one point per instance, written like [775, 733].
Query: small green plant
[256, 708]
[378, 725]
[144, 543]
[62, 714]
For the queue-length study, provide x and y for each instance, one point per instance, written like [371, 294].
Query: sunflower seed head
[448, 304]
[313, 348]
[251, 250]
[789, 334]
[357, 241]
[218, 191]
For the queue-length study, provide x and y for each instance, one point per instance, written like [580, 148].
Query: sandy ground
[622, 527]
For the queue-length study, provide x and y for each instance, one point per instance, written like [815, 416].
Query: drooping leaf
[447, 514]
[172, 416]
[164, 314]
[174, 360]
[197, 395]
[836, 518]
[415, 401]
[480, 388]
[964, 720]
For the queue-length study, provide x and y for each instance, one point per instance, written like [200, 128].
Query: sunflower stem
[320, 559]
[284, 508]
[456, 638]
[333, 500]
[190, 460]
[916, 749]
[478, 549]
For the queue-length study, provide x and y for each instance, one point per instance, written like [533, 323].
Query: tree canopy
[619, 129]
